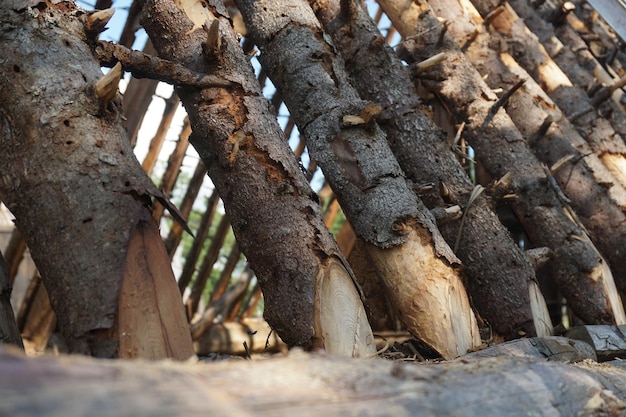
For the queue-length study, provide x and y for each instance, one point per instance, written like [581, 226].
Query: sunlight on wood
[430, 298]
[541, 315]
[616, 163]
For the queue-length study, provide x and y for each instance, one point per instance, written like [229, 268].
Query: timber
[499, 290]
[275, 215]
[313, 385]
[501, 148]
[401, 237]
[68, 173]
[580, 173]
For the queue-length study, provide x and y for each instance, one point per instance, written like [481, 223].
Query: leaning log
[309, 385]
[311, 299]
[500, 291]
[582, 177]
[69, 175]
[401, 237]
[577, 265]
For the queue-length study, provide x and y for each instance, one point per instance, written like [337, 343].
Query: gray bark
[275, 215]
[67, 171]
[499, 290]
[312, 385]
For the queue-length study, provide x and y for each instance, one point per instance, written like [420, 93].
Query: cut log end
[341, 318]
[151, 320]
[428, 294]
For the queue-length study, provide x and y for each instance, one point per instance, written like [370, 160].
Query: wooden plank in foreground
[307, 385]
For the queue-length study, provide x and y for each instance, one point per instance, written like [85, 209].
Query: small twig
[541, 131]
[493, 14]
[478, 189]
[381, 351]
[442, 34]
[248, 354]
[555, 186]
[430, 62]
[459, 132]
[501, 102]
[267, 341]
[581, 113]
[147, 66]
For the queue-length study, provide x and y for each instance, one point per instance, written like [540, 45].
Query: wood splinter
[212, 46]
[501, 102]
[97, 21]
[106, 87]
[430, 62]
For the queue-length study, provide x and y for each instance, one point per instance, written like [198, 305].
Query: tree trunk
[576, 265]
[499, 290]
[315, 385]
[581, 176]
[402, 239]
[572, 99]
[70, 178]
[273, 210]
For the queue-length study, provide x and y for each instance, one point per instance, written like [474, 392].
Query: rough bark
[576, 266]
[9, 333]
[67, 171]
[402, 239]
[576, 60]
[559, 82]
[499, 289]
[310, 385]
[583, 179]
[273, 210]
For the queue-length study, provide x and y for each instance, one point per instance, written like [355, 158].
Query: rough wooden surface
[274, 213]
[67, 171]
[308, 385]
[499, 290]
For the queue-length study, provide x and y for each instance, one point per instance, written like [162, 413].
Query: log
[415, 263]
[609, 342]
[308, 385]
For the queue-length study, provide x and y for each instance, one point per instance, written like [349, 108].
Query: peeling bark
[67, 171]
[499, 289]
[577, 266]
[400, 234]
[582, 178]
[274, 212]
